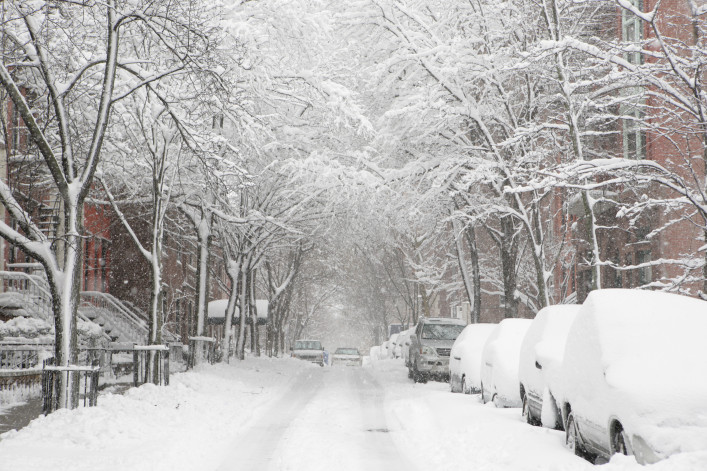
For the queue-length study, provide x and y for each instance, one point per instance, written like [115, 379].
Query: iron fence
[52, 376]
[150, 362]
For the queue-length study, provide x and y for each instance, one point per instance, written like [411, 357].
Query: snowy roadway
[289, 415]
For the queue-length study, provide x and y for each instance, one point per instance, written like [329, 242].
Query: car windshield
[308, 345]
[441, 331]
[346, 351]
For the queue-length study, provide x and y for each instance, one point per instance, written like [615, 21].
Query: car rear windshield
[441, 331]
[308, 345]
[346, 351]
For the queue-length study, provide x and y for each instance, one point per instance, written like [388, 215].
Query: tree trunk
[508, 266]
[204, 239]
[240, 346]
[255, 340]
[233, 271]
[65, 290]
[470, 236]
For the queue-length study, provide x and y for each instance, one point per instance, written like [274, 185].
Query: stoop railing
[32, 290]
[127, 322]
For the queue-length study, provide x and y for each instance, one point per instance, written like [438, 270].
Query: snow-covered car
[393, 347]
[540, 355]
[633, 379]
[375, 353]
[499, 363]
[430, 347]
[404, 342]
[465, 358]
[346, 356]
[309, 350]
[385, 350]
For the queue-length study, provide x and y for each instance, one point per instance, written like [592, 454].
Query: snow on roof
[217, 309]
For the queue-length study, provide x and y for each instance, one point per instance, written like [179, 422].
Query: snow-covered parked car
[348, 356]
[540, 356]
[633, 379]
[385, 350]
[309, 350]
[375, 353]
[465, 358]
[499, 363]
[430, 347]
[404, 342]
[393, 348]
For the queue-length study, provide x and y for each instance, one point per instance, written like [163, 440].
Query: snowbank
[190, 425]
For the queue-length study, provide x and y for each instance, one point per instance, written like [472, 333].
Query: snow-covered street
[285, 414]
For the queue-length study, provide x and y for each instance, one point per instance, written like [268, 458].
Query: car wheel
[497, 401]
[455, 386]
[571, 435]
[619, 442]
[572, 439]
[527, 415]
[415, 373]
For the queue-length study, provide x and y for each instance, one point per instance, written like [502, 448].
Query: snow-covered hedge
[29, 328]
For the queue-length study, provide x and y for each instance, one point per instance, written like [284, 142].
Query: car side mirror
[538, 366]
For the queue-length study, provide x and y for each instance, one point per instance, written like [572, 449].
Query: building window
[617, 281]
[86, 264]
[634, 135]
[632, 32]
[645, 274]
[628, 276]
[178, 314]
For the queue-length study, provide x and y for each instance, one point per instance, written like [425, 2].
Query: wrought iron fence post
[136, 368]
[166, 367]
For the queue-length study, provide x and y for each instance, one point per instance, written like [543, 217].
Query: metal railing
[32, 289]
[121, 321]
[86, 377]
[145, 359]
[21, 370]
[34, 294]
[201, 349]
[22, 357]
[110, 302]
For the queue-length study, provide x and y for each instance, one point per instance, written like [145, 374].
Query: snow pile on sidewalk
[189, 425]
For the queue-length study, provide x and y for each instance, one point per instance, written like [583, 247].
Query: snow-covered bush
[30, 328]
[26, 328]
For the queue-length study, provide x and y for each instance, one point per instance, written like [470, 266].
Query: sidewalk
[17, 417]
